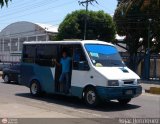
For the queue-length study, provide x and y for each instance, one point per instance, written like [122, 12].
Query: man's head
[64, 54]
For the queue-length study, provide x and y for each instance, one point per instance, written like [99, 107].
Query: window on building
[14, 44]
[7, 44]
[32, 38]
[1, 44]
[42, 38]
[21, 41]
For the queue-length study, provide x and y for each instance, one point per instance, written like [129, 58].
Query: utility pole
[86, 4]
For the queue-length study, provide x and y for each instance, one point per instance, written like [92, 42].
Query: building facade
[13, 36]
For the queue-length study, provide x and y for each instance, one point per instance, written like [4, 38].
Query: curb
[153, 90]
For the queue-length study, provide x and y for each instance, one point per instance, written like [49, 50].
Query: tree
[139, 19]
[99, 26]
[119, 1]
[2, 2]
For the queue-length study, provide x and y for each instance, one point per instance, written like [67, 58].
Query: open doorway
[63, 69]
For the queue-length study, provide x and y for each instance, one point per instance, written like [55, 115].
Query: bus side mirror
[83, 65]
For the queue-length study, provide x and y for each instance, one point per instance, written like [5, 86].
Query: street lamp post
[148, 51]
[149, 28]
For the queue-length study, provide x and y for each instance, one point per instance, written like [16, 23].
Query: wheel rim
[6, 79]
[91, 97]
[34, 88]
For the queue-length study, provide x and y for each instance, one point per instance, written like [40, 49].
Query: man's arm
[55, 61]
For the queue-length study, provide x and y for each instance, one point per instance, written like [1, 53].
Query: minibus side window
[79, 59]
[29, 53]
[46, 54]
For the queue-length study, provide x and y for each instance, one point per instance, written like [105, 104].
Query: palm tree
[119, 1]
[3, 2]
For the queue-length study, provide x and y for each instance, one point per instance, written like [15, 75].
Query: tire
[17, 81]
[90, 97]
[6, 79]
[124, 101]
[35, 88]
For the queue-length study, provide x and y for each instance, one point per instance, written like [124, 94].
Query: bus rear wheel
[90, 97]
[35, 88]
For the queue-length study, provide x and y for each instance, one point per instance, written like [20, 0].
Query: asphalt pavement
[16, 102]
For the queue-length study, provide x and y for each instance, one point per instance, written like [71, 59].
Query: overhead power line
[86, 4]
[31, 8]
[42, 10]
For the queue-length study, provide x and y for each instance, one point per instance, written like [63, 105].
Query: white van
[97, 71]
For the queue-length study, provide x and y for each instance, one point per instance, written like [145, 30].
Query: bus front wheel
[35, 88]
[124, 101]
[91, 97]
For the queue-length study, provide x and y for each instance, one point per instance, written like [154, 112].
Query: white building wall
[13, 36]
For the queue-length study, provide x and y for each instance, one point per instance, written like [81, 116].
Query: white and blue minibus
[97, 71]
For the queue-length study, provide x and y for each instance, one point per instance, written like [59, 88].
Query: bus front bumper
[113, 93]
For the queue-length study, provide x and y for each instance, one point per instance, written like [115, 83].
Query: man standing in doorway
[64, 80]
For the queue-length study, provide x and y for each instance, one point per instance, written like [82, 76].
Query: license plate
[129, 92]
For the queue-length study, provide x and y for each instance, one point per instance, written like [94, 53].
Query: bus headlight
[113, 83]
[138, 81]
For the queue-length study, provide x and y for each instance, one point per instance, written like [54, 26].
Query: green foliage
[132, 18]
[99, 26]
[3, 2]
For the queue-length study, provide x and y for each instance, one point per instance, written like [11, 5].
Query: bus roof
[68, 42]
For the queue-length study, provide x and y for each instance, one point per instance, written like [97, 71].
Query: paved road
[16, 102]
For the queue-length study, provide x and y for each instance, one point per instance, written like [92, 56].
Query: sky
[47, 11]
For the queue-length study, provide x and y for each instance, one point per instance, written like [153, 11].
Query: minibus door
[58, 69]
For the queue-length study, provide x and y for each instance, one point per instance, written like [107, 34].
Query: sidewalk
[152, 87]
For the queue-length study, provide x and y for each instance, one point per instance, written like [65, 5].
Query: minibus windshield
[104, 55]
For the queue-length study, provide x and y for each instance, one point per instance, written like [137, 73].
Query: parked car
[11, 73]
[4, 65]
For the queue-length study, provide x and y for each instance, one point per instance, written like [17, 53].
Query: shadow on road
[12, 82]
[79, 104]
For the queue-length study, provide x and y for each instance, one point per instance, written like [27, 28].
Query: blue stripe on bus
[40, 73]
